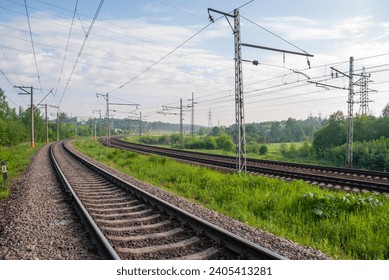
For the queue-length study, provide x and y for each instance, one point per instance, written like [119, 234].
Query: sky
[147, 55]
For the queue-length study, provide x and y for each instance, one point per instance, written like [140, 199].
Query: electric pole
[57, 107]
[47, 122]
[192, 119]
[350, 114]
[210, 119]
[140, 125]
[106, 97]
[239, 102]
[47, 125]
[97, 111]
[181, 126]
[75, 128]
[167, 108]
[350, 103]
[31, 93]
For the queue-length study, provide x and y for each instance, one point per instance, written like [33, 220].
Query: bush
[252, 147]
[263, 150]
[228, 145]
[164, 140]
[194, 144]
[210, 143]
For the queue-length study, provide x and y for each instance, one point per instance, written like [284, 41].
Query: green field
[17, 159]
[342, 225]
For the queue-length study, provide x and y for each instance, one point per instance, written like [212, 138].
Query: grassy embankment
[17, 159]
[342, 225]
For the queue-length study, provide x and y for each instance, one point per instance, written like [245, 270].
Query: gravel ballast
[37, 219]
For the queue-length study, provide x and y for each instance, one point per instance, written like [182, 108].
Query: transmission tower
[209, 119]
[364, 93]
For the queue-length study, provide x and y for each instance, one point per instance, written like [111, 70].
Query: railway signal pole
[31, 93]
[239, 102]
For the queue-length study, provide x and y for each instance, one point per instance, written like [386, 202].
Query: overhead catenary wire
[32, 44]
[274, 34]
[161, 59]
[66, 49]
[172, 51]
[82, 48]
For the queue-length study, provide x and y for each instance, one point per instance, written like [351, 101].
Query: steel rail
[229, 162]
[104, 247]
[233, 242]
[288, 164]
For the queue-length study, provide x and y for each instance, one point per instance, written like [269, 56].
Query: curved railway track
[128, 223]
[349, 179]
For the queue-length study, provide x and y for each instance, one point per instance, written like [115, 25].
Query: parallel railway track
[350, 179]
[128, 223]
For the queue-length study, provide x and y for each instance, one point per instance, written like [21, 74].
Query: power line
[5, 76]
[162, 58]
[82, 48]
[32, 44]
[279, 37]
[66, 50]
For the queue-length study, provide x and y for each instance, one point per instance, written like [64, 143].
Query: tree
[293, 131]
[210, 143]
[12, 130]
[334, 134]
[228, 145]
[385, 111]
[275, 132]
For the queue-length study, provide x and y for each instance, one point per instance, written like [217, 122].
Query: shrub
[228, 145]
[263, 150]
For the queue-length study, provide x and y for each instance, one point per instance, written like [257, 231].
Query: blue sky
[129, 37]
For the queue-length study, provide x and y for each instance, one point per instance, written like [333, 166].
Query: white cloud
[298, 28]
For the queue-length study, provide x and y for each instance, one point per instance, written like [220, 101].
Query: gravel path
[37, 220]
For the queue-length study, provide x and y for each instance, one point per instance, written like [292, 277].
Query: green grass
[342, 225]
[17, 159]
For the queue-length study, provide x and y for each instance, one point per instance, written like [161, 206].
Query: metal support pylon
[350, 115]
[239, 102]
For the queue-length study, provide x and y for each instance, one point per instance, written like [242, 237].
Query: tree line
[15, 126]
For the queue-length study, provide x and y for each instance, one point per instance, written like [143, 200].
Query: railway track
[127, 223]
[332, 177]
